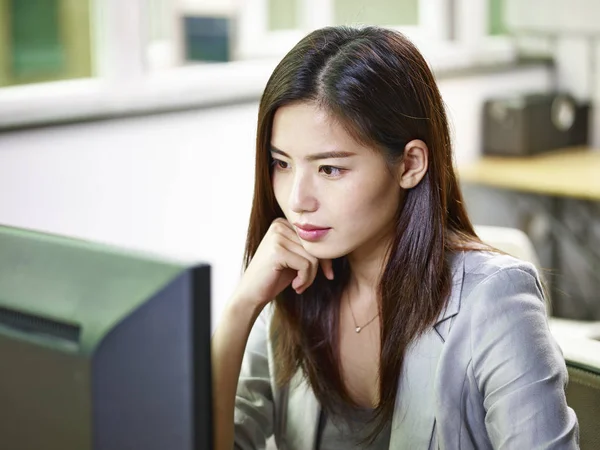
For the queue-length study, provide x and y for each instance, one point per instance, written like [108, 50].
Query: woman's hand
[279, 260]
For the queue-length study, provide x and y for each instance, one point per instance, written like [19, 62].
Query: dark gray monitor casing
[100, 348]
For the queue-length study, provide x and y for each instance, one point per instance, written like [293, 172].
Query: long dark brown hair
[376, 83]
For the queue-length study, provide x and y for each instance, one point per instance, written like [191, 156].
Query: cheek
[280, 191]
[370, 203]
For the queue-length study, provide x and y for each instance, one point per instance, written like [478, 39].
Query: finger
[327, 268]
[286, 235]
[303, 280]
[287, 259]
[283, 227]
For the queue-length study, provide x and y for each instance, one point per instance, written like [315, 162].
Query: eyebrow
[316, 156]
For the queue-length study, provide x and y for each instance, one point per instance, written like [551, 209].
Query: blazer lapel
[413, 423]
[302, 416]
[457, 266]
[414, 417]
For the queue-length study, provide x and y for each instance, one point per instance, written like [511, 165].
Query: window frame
[126, 85]
[255, 40]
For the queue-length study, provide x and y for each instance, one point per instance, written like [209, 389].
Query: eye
[331, 171]
[279, 164]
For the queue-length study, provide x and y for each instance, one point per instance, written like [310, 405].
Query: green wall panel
[283, 14]
[376, 12]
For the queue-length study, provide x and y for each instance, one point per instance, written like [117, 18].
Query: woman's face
[323, 178]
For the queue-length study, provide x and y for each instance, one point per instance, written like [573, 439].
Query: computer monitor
[101, 348]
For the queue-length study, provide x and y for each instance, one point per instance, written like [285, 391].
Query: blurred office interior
[133, 122]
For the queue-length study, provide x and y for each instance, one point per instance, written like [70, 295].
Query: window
[116, 57]
[283, 14]
[380, 12]
[287, 21]
[44, 40]
[496, 18]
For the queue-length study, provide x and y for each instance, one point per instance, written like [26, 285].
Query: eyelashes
[331, 171]
[277, 164]
[328, 171]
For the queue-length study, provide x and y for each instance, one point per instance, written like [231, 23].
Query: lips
[311, 233]
[309, 227]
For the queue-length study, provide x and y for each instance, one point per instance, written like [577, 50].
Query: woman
[392, 325]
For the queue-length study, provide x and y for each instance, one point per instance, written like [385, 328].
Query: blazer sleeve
[254, 405]
[518, 367]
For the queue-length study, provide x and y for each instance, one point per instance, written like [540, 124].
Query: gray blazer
[488, 375]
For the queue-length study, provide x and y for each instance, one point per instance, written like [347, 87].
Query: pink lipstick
[310, 232]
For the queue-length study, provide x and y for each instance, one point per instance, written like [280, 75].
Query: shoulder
[498, 293]
[482, 267]
[490, 278]
[502, 306]
[502, 319]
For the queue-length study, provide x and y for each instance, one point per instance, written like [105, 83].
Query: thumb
[327, 267]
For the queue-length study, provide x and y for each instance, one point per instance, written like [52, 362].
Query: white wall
[572, 31]
[177, 184]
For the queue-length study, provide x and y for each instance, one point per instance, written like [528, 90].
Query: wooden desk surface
[573, 172]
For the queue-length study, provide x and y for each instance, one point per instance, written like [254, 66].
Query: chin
[322, 250]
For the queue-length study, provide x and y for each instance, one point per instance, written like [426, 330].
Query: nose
[302, 196]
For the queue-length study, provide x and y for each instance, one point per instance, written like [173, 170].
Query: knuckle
[279, 221]
[277, 227]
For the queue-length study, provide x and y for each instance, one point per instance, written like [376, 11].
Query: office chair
[516, 243]
[579, 341]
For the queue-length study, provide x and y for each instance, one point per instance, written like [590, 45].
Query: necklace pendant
[358, 329]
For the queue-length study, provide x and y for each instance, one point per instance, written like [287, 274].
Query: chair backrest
[515, 243]
[583, 391]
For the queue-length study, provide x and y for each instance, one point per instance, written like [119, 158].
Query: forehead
[303, 128]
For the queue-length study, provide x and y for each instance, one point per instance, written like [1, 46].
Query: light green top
[337, 433]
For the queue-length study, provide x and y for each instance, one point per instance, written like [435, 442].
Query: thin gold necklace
[357, 327]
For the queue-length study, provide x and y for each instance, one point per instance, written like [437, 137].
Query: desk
[565, 175]
[573, 173]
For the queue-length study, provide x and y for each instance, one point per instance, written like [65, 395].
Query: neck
[366, 266]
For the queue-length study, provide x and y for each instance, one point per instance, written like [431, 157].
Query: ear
[414, 164]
